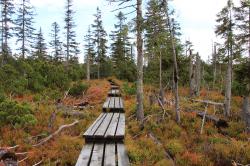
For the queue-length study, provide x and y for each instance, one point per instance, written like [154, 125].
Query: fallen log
[217, 121]
[7, 157]
[209, 102]
[156, 141]
[55, 133]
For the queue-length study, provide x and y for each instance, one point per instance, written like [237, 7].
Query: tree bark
[139, 111]
[228, 93]
[160, 74]
[228, 90]
[191, 74]
[198, 75]
[246, 113]
[88, 68]
[214, 66]
[176, 77]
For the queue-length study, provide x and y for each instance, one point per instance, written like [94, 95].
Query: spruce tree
[89, 52]
[123, 63]
[140, 58]
[156, 39]
[225, 29]
[24, 27]
[7, 11]
[242, 15]
[55, 42]
[71, 46]
[100, 41]
[40, 46]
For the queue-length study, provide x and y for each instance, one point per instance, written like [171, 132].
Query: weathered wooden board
[97, 155]
[92, 129]
[123, 159]
[104, 126]
[120, 132]
[114, 93]
[109, 156]
[112, 127]
[84, 157]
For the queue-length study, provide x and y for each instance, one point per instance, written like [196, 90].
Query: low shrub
[129, 90]
[174, 147]
[16, 114]
[78, 89]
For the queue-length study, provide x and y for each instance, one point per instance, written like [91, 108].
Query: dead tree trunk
[139, 110]
[88, 68]
[191, 74]
[214, 65]
[246, 113]
[228, 93]
[198, 75]
[176, 77]
[161, 94]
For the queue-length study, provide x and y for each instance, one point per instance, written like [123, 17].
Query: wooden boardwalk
[104, 138]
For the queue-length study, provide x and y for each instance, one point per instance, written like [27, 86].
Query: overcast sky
[196, 17]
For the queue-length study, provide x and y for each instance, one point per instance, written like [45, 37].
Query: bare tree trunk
[246, 113]
[198, 75]
[176, 77]
[160, 74]
[228, 92]
[214, 65]
[88, 68]
[191, 74]
[139, 110]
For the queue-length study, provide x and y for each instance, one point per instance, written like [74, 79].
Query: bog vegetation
[187, 112]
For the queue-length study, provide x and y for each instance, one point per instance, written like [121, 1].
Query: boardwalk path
[105, 137]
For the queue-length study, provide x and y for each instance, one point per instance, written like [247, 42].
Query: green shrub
[16, 114]
[129, 90]
[78, 89]
[174, 147]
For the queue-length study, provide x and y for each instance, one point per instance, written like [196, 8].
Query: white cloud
[197, 18]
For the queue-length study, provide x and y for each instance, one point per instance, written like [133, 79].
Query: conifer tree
[123, 63]
[56, 43]
[40, 46]
[24, 27]
[140, 58]
[89, 52]
[71, 46]
[242, 15]
[156, 38]
[225, 29]
[7, 12]
[100, 41]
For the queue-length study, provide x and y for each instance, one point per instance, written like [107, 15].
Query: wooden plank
[114, 87]
[121, 103]
[120, 132]
[92, 129]
[97, 155]
[106, 103]
[122, 155]
[109, 157]
[104, 126]
[117, 102]
[112, 127]
[84, 157]
[112, 102]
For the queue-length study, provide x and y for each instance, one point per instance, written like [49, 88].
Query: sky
[196, 17]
